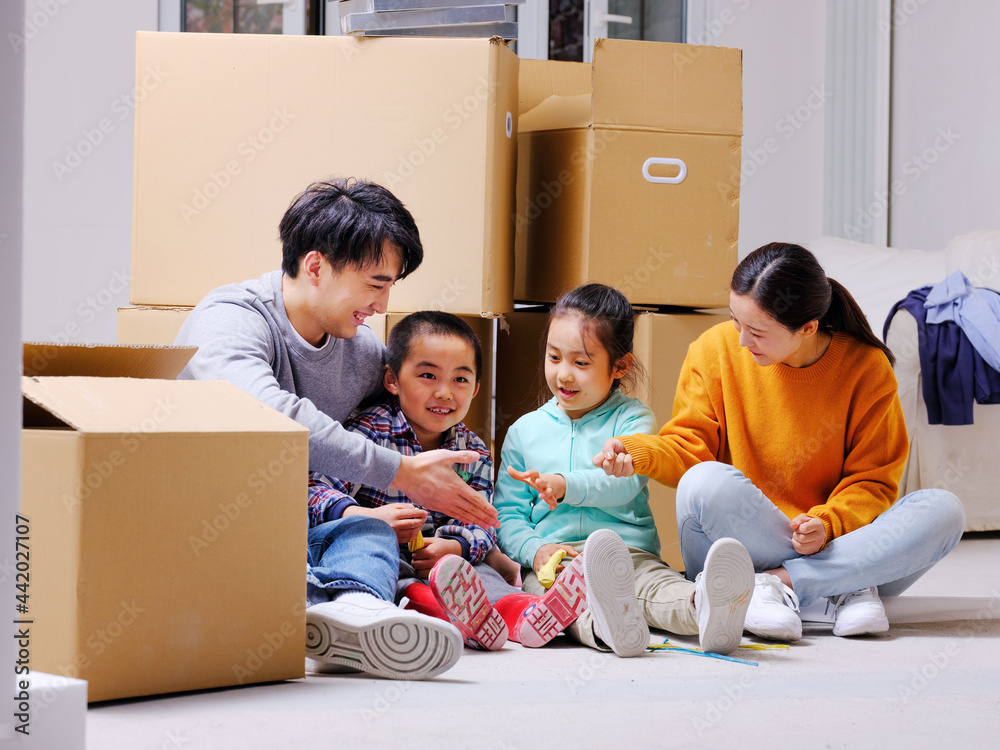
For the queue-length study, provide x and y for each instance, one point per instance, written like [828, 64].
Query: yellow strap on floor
[417, 542]
[547, 575]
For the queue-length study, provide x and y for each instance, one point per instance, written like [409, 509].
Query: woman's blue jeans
[715, 500]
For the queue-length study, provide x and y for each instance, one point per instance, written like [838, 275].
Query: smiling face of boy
[435, 384]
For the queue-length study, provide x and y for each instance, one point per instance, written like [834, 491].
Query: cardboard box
[156, 326]
[628, 173]
[661, 343]
[159, 326]
[234, 126]
[166, 524]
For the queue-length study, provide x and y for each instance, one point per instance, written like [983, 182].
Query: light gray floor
[925, 685]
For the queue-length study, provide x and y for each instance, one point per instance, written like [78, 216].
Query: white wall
[78, 154]
[945, 121]
[11, 126]
[783, 43]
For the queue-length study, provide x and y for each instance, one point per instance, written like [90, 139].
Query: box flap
[674, 87]
[540, 79]
[137, 405]
[106, 360]
[557, 113]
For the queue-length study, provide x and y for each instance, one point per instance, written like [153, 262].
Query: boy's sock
[511, 609]
[422, 600]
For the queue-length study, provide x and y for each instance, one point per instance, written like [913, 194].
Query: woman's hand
[547, 550]
[614, 459]
[550, 487]
[808, 534]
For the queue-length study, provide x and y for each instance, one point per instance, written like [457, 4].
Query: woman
[787, 435]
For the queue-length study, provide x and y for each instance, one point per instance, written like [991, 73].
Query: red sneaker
[461, 594]
[556, 609]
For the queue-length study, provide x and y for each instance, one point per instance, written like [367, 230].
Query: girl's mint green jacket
[548, 441]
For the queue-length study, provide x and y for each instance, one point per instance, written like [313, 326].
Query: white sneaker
[721, 596]
[773, 611]
[609, 575]
[859, 613]
[367, 634]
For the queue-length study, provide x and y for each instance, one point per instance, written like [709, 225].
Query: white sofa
[963, 459]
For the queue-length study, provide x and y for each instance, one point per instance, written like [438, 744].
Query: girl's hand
[405, 519]
[547, 550]
[550, 487]
[808, 534]
[433, 550]
[614, 459]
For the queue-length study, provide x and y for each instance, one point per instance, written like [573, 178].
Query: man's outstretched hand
[429, 480]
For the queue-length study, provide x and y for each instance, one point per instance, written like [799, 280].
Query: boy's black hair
[429, 323]
[349, 221]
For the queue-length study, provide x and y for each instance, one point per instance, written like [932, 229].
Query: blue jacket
[952, 372]
[548, 441]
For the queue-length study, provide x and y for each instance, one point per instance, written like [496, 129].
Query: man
[296, 340]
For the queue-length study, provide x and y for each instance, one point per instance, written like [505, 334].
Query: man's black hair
[349, 221]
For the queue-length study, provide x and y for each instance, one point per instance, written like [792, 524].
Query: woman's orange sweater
[827, 440]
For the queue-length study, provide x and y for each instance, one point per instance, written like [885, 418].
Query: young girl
[550, 498]
[788, 435]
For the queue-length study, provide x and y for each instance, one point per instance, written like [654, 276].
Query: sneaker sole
[558, 607]
[610, 579]
[728, 577]
[461, 594]
[397, 647]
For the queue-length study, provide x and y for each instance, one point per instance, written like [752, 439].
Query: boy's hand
[614, 459]
[405, 519]
[433, 550]
[547, 550]
[429, 480]
[550, 487]
[808, 534]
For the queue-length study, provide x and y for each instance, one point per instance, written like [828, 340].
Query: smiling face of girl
[578, 370]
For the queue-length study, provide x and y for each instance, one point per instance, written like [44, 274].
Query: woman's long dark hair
[788, 283]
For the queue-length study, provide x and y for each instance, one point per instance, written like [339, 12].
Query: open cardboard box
[628, 173]
[168, 524]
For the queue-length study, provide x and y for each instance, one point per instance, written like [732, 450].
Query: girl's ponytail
[844, 314]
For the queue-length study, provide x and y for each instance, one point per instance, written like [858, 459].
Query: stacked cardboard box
[241, 123]
[626, 173]
[466, 18]
[140, 492]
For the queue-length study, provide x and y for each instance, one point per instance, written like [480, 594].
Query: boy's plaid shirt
[385, 425]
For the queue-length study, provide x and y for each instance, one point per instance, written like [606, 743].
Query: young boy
[433, 369]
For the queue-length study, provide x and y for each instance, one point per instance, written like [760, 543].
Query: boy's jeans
[356, 553]
[715, 500]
